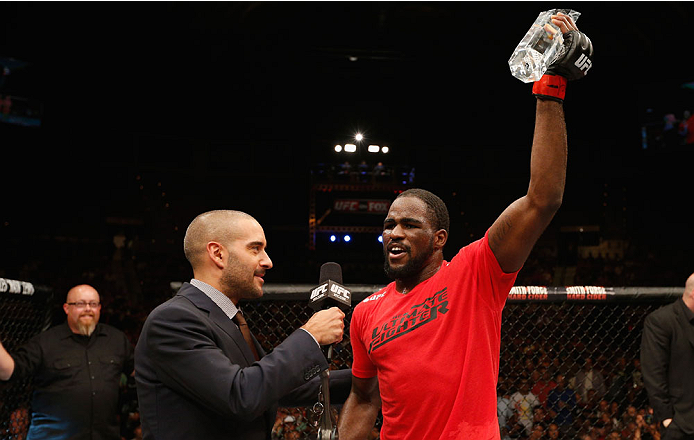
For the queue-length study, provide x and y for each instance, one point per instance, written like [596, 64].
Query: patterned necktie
[243, 326]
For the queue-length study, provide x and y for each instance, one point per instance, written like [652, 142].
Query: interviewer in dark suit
[667, 363]
[197, 377]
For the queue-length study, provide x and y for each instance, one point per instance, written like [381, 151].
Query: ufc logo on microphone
[583, 63]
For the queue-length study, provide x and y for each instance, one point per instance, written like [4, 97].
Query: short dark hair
[438, 212]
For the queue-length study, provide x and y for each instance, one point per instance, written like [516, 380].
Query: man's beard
[86, 329]
[413, 265]
[232, 281]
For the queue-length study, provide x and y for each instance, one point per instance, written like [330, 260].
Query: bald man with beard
[200, 373]
[667, 363]
[77, 368]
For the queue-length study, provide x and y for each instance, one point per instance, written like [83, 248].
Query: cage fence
[569, 359]
[586, 339]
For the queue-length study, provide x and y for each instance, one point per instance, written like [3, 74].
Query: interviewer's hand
[667, 422]
[327, 326]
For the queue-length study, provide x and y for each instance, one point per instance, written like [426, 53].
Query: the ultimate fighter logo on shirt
[404, 323]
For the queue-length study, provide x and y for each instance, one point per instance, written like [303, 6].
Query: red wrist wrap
[550, 86]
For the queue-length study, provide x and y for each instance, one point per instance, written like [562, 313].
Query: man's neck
[214, 282]
[406, 285]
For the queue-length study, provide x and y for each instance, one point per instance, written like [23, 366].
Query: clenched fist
[327, 326]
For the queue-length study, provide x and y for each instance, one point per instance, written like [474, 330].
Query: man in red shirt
[543, 384]
[426, 347]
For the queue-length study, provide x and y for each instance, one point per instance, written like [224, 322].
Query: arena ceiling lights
[352, 148]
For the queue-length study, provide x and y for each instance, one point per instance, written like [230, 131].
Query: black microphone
[330, 292]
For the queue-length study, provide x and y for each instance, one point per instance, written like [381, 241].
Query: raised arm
[515, 232]
[359, 412]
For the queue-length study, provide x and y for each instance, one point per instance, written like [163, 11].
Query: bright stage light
[373, 149]
[385, 149]
[350, 148]
[333, 238]
[347, 238]
[338, 148]
[358, 137]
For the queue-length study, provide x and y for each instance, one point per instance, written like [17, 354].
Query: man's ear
[440, 238]
[216, 254]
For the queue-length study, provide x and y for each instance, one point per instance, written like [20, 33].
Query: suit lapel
[683, 322]
[203, 302]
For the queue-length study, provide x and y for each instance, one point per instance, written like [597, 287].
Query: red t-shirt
[435, 350]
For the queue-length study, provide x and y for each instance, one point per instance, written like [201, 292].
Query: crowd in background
[668, 131]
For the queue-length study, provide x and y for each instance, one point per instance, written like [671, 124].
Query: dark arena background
[120, 122]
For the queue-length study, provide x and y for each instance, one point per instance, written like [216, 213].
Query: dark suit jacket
[667, 363]
[197, 378]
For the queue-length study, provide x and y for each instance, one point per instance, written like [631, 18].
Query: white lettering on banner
[14, 286]
[27, 288]
[362, 206]
[586, 292]
[517, 290]
[378, 206]
[586, 289]
[347, 205]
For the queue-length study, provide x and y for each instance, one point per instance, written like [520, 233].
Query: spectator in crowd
[667, 355]
[561, 402]
[379, 169]
[613, 435]
[553, 432]
[524, 402]
[589, 378]
[513, 429]
[628, 431]
[629, 416]
[618, 381]
[77, 368]
[543, 384]
[637, 394]
[603, 407]
[670, 133]
[6, 105]
[19, 423]
[686, 128]
[540, 416]
[344, 171]
[614, 413]
[287, 428]
[589, 404]
[504, 406]
[645, 430]
[538, 432]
